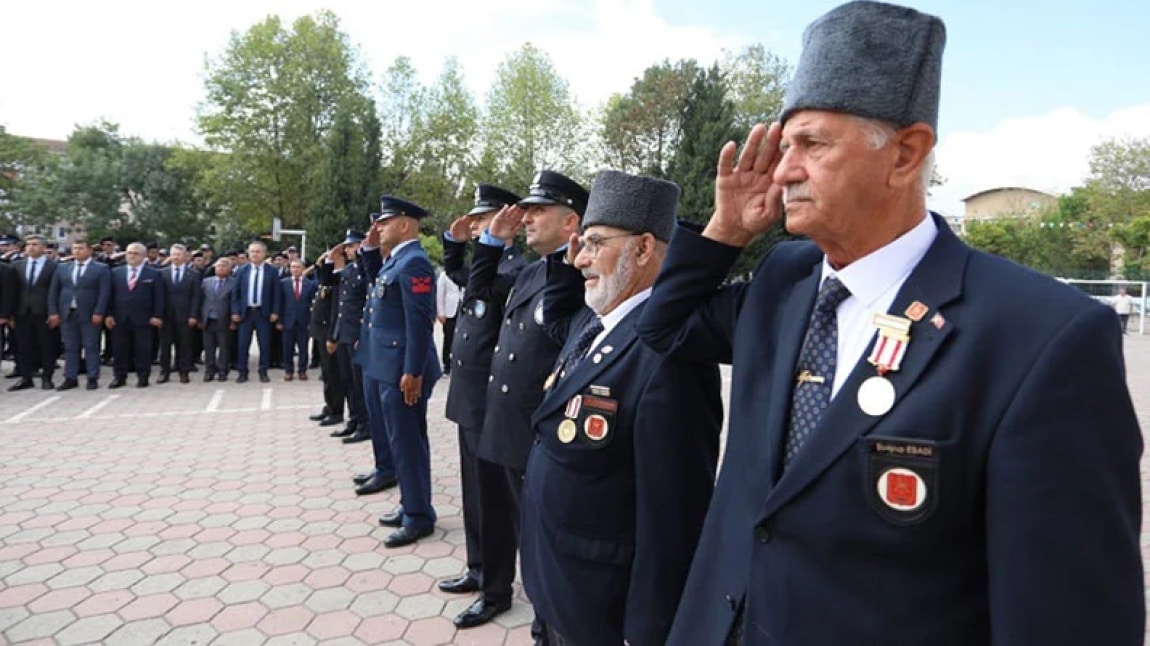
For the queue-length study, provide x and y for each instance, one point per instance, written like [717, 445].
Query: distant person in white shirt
[448, 295]
[1123, 305]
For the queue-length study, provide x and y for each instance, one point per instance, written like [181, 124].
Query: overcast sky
[1028, 86]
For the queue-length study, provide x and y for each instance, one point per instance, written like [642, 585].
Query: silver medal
[876, 396]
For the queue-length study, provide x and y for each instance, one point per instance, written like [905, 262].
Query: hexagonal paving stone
[193, 612]
[199, 588]
[419, 606]
[189, 636]
[331, 599]
[285, 620]
[375, 630]
[282, 596]
[11, 616]
[328, 577]
[159, 583]
[333, 625]
[59, 599]
[433, 630]
[295, 639]
[373, 604]
[89, 629]
[247, 553]
[40, 625]
[246, 637]
[138, 632]
[103, 603]
[75, 577]
[19, 595]
[243, 591]
[285, 556]
[404, 564]
[148, 607]
[34, 574]
[411, 584]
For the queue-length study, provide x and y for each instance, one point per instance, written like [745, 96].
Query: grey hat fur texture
[873, 60]
[634, 203]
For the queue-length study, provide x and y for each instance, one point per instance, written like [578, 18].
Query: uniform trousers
[500, 494]
[472, 514]
[406, 430]
[351, 374]
[377, 425]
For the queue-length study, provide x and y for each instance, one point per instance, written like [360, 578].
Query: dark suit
[36, 345]
[293, 314]
[397, 340]
[255, 318]
[214, 309]
[476, 333]
[520, 363]
[351, 287]
[619, 514]
[9, 290]
[319, 326]
[179, 305]
[132, 308]
[1018, 508]
[76, 302]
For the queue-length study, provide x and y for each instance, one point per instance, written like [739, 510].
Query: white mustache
[589, 274]
[796, 192]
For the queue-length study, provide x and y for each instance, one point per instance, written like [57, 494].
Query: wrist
[727, 235]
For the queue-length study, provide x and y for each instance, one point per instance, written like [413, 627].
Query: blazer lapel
[935, 282]
[620, 340]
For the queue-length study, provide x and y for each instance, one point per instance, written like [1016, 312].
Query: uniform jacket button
[511, 357]
[466, 336]
[730, 601]
[496, 349]
[504, 388]
[394, 343]
[762, 534]
[490, 378]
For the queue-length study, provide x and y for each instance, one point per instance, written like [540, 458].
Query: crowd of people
[910, 457]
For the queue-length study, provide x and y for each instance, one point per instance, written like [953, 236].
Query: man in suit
[399, 361]
[521, 361]
[214, 309]
[77, 303]
[342, 271]
[9, 293]
[137, 311]
[254, 307]
[478, 323]
[913, 456]
[296, 293]
[619, 480]
[319, 326]
[182, 285]
[36, 348]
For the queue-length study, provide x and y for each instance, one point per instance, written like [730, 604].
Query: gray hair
[878, 134]
[178, 247]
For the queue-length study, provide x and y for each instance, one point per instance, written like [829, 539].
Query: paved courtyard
[218, 514]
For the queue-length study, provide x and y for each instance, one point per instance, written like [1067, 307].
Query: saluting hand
[747, 200]
[460, 230]
[412, 388]
[573, 249]
[507, 222]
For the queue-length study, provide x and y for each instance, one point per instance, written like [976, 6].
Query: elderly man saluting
[913, 457]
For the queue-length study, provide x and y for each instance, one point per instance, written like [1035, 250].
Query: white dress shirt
[873, 281]
[611, 319]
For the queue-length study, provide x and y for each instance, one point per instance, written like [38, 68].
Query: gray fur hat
[633, 203]
[873, 60]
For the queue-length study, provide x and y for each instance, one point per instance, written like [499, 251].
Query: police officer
[521, 361]
[477, 330]
[319, 327]
[400, 363]
[343, 273]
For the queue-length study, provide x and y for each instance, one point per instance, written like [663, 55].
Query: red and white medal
[876, 395]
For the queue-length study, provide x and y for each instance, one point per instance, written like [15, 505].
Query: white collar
[615, 316]
[871, 276]
[401, 245]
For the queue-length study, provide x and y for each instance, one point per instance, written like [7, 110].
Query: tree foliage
[641, 129]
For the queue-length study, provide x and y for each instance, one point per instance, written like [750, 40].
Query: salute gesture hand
[460, 230]
[507, 222]
[747, 201]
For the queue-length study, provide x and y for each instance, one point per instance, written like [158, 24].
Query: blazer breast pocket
[901, 478]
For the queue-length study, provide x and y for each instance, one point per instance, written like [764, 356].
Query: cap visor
[538, 199]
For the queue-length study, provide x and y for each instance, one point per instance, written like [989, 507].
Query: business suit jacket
[135, 307]
[180, 300]
[520, 363]
[609, 526]
[91, 293]
[292, 312]
[9, 290]
[400, 317]
[241, 289]
[33, 299]
[476, 333]
[1012, 423]
[212, 302]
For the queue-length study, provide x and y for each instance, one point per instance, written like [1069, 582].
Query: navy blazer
[293, 312]
[180, 300]
[241, 292]
[135, 307]
[610, 523]
[91, 293]
[399, 320]
[1012, 436]
[477, 328]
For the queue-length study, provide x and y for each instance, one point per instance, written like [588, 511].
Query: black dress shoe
[462, 584]
[361, 478]
[23, 384]
[68, 384]
[118, 382]
[407, 536]
[343, 432]
[392, 518]
[93, 384]
[209, 377]
[242, 379]
[331, 420]
[481, 612]
[375, 484]
[142, 382]
[164, 378]
[185, 379]
[48, 385]
[12, 375]
[360, 435]
[264, 378]
[320, 416]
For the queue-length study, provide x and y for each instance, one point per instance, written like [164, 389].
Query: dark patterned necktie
[572, 358]
[817, 360]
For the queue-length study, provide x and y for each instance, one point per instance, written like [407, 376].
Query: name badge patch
[902, 479]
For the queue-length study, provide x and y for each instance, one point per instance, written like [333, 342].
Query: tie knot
[831, 294]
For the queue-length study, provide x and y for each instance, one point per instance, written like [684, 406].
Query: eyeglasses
[594, 243]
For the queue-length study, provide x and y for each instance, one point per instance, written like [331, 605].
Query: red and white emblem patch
[595, 427]
[901, 489]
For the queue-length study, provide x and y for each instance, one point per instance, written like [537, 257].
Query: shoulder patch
[421, 284]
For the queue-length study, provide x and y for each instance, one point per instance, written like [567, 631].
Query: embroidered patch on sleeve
[421, 285]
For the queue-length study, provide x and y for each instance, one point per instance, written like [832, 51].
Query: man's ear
[913, 143]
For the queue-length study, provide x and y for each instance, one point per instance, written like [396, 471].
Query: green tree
[271, 98]
[530, 123]
[640, 130]
[756, 80]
